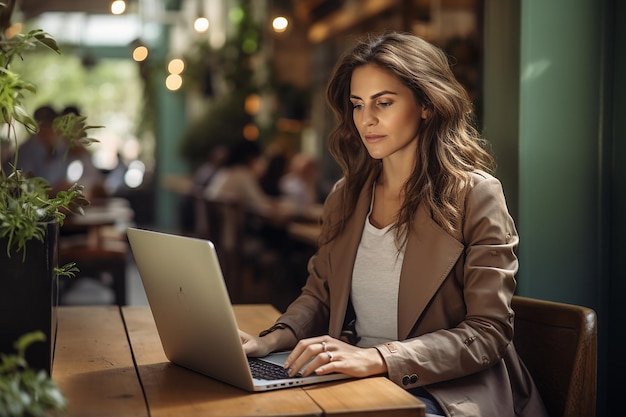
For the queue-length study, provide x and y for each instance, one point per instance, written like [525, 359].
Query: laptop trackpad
[277, 358]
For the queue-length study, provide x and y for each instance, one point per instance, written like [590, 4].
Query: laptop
[193, 314]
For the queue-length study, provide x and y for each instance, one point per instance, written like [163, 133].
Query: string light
[250, 132]
[280, 24]
[140, 53]
[118, 7]
[201, 24]
[176, 66]
[173, 82]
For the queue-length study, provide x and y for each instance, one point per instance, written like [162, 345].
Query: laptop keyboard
[266, 370]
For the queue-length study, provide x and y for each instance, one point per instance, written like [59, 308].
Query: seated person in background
[43, 153]
[275, 168]
[200, 179]
[238, 179]
[415, 270]
[299, 183]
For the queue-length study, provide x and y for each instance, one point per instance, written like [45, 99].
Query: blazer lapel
[430, 255]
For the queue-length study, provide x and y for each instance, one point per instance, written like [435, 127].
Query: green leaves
[68, 270]
[75, 129]
[25, 208]
[25, 203]
[24, 391]
[12, 88]
[16, 45]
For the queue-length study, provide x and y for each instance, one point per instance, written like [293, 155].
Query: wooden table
[98, 218]
[109, 362]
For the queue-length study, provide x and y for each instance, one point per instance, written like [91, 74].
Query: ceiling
[32, 8]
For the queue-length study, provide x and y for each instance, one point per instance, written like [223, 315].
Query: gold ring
[323, 346]
[330, 356]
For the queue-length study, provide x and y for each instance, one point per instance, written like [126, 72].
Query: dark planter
[29, 297]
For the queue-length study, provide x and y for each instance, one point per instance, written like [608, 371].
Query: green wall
[542, 100]
[554, 110]
[171, 119]
[560, 65]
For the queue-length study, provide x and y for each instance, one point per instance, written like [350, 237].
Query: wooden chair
[558, 344]
[241, 254]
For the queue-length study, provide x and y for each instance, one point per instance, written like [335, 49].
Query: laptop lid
[191, 307]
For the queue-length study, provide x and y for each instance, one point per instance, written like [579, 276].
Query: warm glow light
[13, 30]
[118, 7]
[140, 53]
[252, 104]
[173, 82]
[280, 24]
[201, 24]
[176, 66]
[250, 132]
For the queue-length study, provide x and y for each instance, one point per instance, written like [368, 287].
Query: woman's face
[385, 112]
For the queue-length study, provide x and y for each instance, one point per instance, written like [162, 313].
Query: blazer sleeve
[484, 281]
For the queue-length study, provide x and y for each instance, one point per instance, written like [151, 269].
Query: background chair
[558, 344]
[248, 264]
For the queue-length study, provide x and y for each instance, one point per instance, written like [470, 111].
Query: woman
[416, 267]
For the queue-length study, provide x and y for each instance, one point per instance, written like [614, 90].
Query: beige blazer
[455, 322]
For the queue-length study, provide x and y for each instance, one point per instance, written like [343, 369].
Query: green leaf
[68, 270]
[26, 340]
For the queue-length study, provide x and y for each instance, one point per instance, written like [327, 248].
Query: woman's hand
[325, 355]
[280, 339]
[254, 345]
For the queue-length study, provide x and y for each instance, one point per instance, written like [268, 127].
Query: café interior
[173, 82]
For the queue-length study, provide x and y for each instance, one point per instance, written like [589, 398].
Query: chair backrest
[558, 344]
[221, 221]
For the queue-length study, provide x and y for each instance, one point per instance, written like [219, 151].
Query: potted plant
[30, 216]
[25, 391]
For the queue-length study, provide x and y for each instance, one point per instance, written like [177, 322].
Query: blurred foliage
[109, 90]
[25, 392]
[226, 77]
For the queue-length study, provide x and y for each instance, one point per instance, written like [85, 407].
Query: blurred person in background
[43, 153]
[275, 168]
[200, 180]
[299, 183]
[238, 179]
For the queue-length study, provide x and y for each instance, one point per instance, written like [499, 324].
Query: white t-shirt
[375, 283]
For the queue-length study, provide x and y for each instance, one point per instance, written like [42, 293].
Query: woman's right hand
[253, 345]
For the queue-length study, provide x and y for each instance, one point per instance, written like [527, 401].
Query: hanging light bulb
[201, 24]
[118, 7]
[176, 66]
[279, 24]
[140, 53]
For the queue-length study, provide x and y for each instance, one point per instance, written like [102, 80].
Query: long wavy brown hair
[449, 146]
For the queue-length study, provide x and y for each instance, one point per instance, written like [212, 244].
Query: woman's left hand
[324, 355]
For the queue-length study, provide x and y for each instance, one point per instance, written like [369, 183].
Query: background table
[109, 362]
